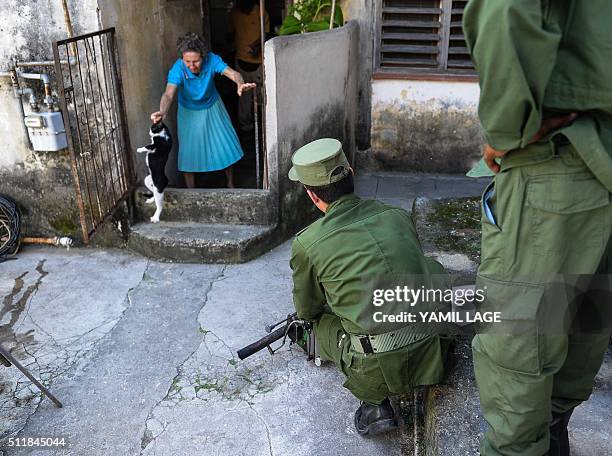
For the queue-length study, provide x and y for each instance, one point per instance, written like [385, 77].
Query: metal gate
[91, 97]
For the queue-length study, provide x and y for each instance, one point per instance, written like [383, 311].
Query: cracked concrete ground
[143, 357]
[57, 307]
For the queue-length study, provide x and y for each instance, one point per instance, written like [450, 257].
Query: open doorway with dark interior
[235, 35]
[148, 56]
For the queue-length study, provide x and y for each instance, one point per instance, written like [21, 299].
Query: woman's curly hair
[191, 42]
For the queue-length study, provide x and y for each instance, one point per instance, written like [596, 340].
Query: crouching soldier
[335, 261]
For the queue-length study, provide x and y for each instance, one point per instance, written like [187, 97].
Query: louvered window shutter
[458, 54]
[422, 35]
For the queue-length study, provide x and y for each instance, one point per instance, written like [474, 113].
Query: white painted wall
[431, 93]
[40, 182]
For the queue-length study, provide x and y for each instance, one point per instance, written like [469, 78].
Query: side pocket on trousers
[514, 353]
[514, 343]
[559, 209]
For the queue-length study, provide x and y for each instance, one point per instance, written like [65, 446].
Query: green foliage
[310, 16]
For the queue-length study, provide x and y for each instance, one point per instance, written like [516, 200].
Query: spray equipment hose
[10, 229]
[10, 226]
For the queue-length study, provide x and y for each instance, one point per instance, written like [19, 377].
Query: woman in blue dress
[207, 139]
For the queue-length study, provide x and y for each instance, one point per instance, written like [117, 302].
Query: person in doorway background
[245, 30]
[207, 139]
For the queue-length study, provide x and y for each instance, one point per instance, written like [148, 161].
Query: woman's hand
[241, 86]
[245, 87]
[157, 117]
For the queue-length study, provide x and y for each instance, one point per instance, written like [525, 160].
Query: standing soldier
[546, 110]
[335, 262]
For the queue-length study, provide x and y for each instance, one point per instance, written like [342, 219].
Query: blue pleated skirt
[207, 139]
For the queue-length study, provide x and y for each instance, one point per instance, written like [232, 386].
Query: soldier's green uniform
[551, 211]
[336, 260]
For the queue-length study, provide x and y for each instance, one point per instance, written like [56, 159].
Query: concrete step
[191, 242]
[240, 206]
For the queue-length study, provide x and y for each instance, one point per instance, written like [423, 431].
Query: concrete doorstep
[206, 226]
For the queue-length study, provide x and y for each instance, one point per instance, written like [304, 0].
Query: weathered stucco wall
[40, 182]
[311, 93]
[410, 124]
[29, 26]
[424, 126]
[361, 11]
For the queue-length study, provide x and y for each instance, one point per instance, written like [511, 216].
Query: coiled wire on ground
[10, 226]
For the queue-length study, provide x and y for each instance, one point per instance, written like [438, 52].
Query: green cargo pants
[372, 378]
[367, 382]
[550, 217]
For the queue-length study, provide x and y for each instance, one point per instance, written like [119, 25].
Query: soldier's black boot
[375, 419]
[559, 438]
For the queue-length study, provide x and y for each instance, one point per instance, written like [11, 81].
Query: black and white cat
[157, 156]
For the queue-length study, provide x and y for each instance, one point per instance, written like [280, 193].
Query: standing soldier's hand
[553, 123]
[489, 154]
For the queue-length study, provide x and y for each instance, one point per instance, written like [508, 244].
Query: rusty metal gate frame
[91, 97]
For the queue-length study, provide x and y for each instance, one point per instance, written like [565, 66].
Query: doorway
[225, 40]
[147, 56]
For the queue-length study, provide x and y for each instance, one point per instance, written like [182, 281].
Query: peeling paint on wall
[361, 11]
[388, 106]
[40, 182]
[27, 31]
[424, 126]
[42, 186]
[311, 94]
[28, 27]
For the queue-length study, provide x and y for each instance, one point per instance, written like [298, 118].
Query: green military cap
[314, 164]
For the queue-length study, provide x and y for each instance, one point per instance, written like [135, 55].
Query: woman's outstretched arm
[164, 104]
[237, 78]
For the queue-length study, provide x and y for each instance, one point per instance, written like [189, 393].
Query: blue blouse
[197, 91]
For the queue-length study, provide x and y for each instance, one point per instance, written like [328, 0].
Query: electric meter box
[46, 130]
